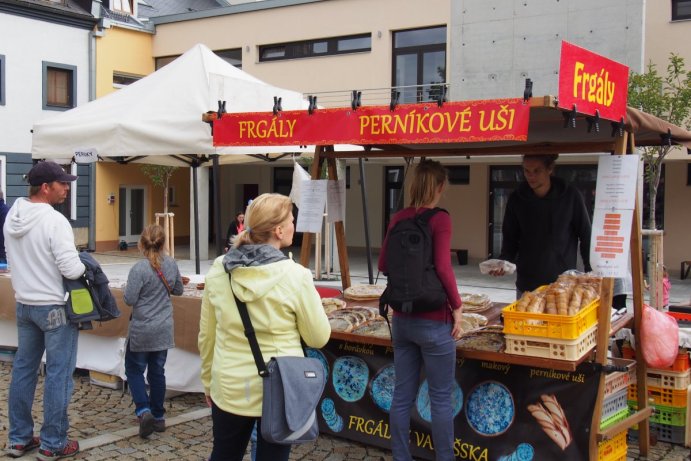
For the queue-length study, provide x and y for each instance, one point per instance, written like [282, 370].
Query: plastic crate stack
[552, 336]
[669, 391]
[615, 409]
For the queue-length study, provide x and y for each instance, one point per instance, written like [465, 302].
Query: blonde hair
[151, 244]
[264, 214]
[428, 176]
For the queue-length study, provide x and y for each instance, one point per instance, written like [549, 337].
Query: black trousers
[232, 434]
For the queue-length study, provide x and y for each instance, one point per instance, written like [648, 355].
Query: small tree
[160, 175]
[668, 98]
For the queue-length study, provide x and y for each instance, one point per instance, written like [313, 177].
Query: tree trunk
[165, 196]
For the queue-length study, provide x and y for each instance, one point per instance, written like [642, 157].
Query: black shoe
[159, 425]
[146, 424]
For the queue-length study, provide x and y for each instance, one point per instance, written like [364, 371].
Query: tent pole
[197, 266]
[217, 204]
[364, 211]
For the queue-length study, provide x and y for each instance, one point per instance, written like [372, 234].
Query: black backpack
[412, 282]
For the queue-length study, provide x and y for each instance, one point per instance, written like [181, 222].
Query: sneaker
[71, 448]
[18, 450]
[146, 424]
[160, 425]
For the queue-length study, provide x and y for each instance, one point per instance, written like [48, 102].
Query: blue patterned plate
[490, 409]
[423, 405]
[350, 377]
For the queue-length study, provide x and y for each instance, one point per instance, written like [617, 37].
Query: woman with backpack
[424, 336]
[150, 283]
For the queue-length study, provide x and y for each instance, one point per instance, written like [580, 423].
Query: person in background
[426, 339]
[284, 308]
[150, 283]
[544, 222]
[4, 209]
[236, 226]
[41, 250]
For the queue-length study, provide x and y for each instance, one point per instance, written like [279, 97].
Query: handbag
[292, 389]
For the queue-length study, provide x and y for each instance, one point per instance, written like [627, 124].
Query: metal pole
[197, 264]
[217, 204]
[364, 211]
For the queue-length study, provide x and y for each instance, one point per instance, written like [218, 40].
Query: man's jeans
[154, 363]
[42, 328]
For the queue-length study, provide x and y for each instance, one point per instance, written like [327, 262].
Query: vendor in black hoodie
[544, 221]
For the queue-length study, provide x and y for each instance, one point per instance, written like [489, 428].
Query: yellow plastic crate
[550, 325]
[611, 449]
[550, 348]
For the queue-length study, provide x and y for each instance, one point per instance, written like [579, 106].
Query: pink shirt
[440, 227]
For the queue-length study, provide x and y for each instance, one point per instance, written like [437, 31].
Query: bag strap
[251, 336]
[426, 215]
[163, 279]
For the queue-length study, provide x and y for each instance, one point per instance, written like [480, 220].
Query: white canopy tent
[158, 120]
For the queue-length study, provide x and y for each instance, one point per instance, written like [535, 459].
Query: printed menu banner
[592, 82]
[502, 412]
[615, 198]
[466, 121]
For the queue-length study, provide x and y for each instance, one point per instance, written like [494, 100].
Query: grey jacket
[151, 326]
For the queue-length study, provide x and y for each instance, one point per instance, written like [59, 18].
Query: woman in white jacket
[283, 305]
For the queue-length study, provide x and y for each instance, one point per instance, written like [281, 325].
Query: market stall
[588, 397]
[102, 349]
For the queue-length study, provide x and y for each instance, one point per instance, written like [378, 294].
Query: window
[688, 174]
[121, 80]
[59, 86]
[419, 63]
[681, 9]
[394, 178]
[318, 47]
[125, 6]
[164, 61]
[232, 56]
[2, 79]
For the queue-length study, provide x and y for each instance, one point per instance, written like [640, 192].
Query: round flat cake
[382, 386]
[363, 292]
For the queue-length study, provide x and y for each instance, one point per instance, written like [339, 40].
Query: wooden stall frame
[622, 144]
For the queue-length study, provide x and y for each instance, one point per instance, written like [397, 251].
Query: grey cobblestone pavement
[103, 421]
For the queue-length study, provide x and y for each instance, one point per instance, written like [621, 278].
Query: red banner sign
[467, 121]
[592, 82]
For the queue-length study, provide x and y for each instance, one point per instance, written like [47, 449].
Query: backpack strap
[426, 215]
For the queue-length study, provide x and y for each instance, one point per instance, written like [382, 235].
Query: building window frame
[681, 10]
[71, 85]
[315, 48]
[232, 56]
[419, 51]
[123, 79]
[2, 79]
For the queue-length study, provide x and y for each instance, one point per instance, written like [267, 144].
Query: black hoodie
[541, 235]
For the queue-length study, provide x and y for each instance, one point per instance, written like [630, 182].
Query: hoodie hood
[254, 271]
[556, 190]
[24, 215]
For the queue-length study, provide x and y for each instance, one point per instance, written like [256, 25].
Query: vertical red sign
[592, 82]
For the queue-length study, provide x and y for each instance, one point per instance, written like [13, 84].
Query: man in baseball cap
[47, 172]
[40, 249]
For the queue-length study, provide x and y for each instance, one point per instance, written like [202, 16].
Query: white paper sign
[616, 182]
[87, 155]
[311, 207]
[335, 201]
[609, 242]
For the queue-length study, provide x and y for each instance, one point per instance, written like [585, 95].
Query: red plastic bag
[659, 338]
